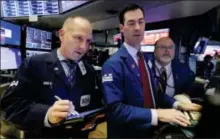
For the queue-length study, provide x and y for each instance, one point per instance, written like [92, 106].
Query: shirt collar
[60, 56]
[167, 67]
[131, 50]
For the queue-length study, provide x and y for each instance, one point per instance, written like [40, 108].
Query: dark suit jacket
[123, 93]
[38, 80]
[182, 75]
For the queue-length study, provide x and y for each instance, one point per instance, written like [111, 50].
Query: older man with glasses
[174, 77]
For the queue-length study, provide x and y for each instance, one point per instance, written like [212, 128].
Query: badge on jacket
[107, 78]
[82, 68]
[85, 100]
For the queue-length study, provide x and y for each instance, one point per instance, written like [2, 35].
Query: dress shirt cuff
[46, 122]
[176, 104]
[154, 117]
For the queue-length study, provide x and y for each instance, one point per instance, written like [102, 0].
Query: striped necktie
[163, 77]
[71, 75]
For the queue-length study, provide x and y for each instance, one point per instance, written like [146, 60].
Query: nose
[82, 45]
[137, 26]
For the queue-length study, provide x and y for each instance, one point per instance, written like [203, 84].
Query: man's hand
[172, 116]
[189, 106]
[58, 111]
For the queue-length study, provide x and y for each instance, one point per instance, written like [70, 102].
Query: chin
[164, 60]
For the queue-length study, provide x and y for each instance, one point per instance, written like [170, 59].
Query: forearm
[130, 115]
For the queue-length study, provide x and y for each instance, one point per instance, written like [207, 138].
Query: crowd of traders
[137, 91]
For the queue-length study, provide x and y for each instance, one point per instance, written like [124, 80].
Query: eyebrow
[134, 20]
[140, 19]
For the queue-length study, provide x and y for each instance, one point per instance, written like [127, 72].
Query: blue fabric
[123, 95]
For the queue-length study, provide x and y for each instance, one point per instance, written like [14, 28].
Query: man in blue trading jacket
[175, 77]
[129, 88]
[30, 101]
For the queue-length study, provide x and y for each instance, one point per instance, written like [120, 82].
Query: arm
[19, 101]
[112, 81]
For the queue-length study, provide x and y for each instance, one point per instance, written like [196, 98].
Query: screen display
[10, 58]
[66, 5]
[212, 49]
[38, 39]
[30, 53]
[10, 34]
[150, 37]
[16, 8]
[200, 45]
[116, 38]
[147, 48]
[99, 37]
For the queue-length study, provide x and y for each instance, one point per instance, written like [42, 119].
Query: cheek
[160, 53]
[85, 49]
[172, 52]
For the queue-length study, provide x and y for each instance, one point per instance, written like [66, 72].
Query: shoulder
[180, 65]
[37, 61]
[114, 60]
[40, 58]
[113, 65]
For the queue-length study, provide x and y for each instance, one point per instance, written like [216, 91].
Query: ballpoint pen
[73, 111]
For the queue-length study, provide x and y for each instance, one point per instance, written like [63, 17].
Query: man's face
[164, 51]
[134, 27]
[76, 41]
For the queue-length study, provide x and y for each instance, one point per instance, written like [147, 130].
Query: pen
[74, 111]
[58, 98]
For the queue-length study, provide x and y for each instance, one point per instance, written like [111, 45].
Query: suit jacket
[38, 80]
[123, 94]
[182, 75]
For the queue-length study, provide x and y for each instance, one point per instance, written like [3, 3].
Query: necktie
[163, 80]
[71, 73]
[148, 101]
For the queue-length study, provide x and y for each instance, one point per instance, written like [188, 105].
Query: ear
[121, 26]
[61, 34]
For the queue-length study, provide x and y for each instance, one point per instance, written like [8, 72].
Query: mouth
[79, 53]
[137, 35]
[166, 55]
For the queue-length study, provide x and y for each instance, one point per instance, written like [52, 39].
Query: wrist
[159, 116]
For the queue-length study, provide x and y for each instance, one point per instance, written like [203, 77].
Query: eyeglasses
[162, 47]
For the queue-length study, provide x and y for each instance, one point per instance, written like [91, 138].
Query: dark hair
[208, 57]
[130, 7]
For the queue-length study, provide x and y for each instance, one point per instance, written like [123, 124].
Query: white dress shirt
[170, 90]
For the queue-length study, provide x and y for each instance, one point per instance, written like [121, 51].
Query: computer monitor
[116, 38]
[20, 8]
[212, 49]
[38, 39]
[200, 45]
[30, 53]
[151, 36]
[148, 48]
[10, 58]
[66, 5]
[10, 34]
